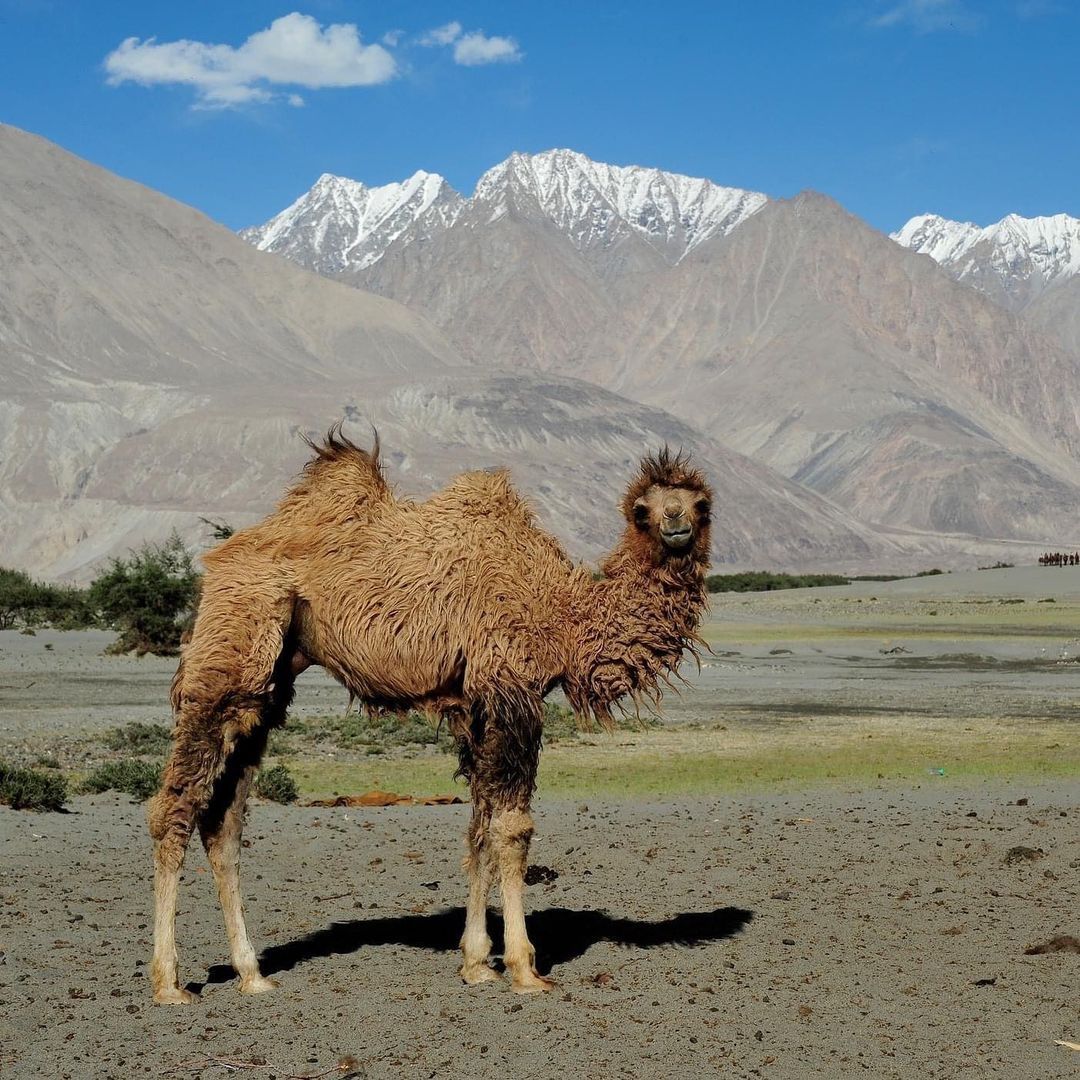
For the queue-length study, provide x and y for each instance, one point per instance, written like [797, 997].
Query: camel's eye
[641, 512]
[703, 507]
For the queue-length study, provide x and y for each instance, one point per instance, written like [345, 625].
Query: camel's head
[670, 504]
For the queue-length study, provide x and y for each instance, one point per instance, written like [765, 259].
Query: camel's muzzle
[677, 536]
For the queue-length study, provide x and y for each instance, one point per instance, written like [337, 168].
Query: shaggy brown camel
[459, 606]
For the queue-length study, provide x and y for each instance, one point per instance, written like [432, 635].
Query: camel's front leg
[510, 832]
[475, 942]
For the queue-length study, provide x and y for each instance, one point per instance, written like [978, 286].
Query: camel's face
[673, 516]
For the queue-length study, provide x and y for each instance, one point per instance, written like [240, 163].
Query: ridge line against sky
[893, 107]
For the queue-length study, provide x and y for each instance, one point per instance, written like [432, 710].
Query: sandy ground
[843, 933]
[837, 931]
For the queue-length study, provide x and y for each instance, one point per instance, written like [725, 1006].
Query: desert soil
[833, 928]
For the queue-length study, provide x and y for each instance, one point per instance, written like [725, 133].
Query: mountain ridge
[592, 202]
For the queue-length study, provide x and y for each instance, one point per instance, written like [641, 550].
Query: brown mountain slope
[102, 278]
[509, 293]
[817, 345]
[1055, 313]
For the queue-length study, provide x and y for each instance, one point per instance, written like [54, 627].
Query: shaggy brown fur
[460, 606]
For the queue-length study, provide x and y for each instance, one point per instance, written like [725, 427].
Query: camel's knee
[510, 834]
[512, 827]
[180, 801]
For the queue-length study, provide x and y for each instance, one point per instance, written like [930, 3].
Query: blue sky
[893, 107]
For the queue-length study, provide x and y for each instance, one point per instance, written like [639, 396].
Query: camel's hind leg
[232, 684]
[221, 828]
[185, 791]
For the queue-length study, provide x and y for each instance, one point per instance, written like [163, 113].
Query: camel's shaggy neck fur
[460, 606]
[628, 632]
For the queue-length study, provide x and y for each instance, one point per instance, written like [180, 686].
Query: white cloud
[926, 16]
[474, 49]
[441, 35]
[293, 50]
[392, 37]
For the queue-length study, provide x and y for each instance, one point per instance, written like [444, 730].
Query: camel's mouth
[677, 538]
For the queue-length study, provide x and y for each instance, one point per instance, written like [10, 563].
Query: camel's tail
[341, 483]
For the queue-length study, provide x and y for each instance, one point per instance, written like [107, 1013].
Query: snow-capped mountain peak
[595, 203]
[1012, 260]
[342, 224]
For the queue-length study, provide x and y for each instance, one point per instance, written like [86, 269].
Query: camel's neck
[628, 632]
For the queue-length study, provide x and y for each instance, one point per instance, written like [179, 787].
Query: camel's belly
[385, 661]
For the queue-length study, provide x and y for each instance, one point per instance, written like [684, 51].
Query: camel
[460, 606]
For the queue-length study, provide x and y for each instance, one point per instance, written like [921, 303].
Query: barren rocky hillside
[792, 332]
[154, 368]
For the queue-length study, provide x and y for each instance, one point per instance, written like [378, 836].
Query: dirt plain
[828, 861]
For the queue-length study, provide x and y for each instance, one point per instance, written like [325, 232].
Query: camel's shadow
[559, 933]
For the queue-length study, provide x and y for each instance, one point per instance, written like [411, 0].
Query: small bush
[277, 785]
[139, 738]
[25, 789]
[148, 596]
[138, 778]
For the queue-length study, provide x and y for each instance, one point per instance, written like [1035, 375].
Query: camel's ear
[641, 514]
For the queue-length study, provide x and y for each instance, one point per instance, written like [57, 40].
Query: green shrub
[386, 730]
[28, 603]
[26, 789]
[138, 778]
[139, 738]
[276, 784]
[147, 596]
[766, 581]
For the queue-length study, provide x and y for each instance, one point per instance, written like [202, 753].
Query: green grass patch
[139, 738]
[648, 770]
[28, 789]
[138, 778]
[389, 733]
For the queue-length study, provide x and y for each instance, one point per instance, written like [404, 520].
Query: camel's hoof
[475, 974]
[174, 995]
[532, 984]
[258, 985]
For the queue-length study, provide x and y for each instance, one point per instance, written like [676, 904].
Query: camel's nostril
[672, 510]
